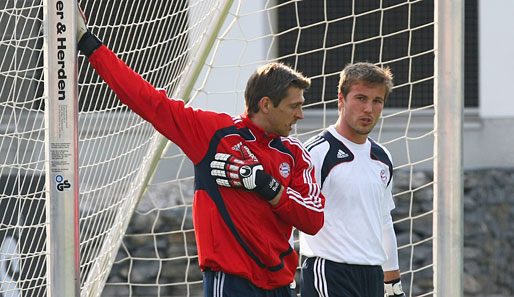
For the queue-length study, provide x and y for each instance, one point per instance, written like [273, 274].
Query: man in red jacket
[253, 183]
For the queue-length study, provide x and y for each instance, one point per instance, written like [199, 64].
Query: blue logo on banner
[62, 183]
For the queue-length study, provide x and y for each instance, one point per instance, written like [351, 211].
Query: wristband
[268, 187]
[88, 44]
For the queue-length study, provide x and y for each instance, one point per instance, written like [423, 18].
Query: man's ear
[340, 100]
[265, 104]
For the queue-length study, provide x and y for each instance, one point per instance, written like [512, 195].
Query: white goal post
[135, 188]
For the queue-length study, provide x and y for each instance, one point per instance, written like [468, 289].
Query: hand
[248, 174]
[239, 173]
[81, 23]
[87, 43]
[394, 288]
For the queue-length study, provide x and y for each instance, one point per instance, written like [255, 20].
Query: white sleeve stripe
[307, 203]
[304, 200]
[315, 189]
[312, 201]
[237, 120]
[305, 154]
[314, 142]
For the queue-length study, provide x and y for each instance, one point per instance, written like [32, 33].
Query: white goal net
[136, 188]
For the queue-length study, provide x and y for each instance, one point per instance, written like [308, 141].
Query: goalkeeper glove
[87, 43]
[393, 288]
[249, 175]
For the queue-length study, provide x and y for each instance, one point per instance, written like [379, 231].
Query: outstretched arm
[185, 126]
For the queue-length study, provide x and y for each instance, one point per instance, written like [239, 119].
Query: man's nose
[299, 114]
[368, 107]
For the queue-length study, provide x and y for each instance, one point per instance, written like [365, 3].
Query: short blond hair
[367, 73]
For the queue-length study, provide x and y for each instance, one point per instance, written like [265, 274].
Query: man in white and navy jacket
[355, 252]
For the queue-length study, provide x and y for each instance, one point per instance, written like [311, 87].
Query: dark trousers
[324, 278]
[219, 284]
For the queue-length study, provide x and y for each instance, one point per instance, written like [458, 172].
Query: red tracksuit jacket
[237, 232]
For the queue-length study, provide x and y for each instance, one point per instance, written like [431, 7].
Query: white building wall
[488, 140]
[487, 129]
[496, 63]
[217, 92]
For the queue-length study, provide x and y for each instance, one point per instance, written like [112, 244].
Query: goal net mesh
[136, 189]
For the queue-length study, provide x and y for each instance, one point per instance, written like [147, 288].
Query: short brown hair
[367, 73]
[272, 80]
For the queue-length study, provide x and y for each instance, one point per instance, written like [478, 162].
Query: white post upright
[448, 174]
[61, 141]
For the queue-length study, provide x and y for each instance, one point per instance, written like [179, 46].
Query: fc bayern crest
[383, 175]
[284, 169]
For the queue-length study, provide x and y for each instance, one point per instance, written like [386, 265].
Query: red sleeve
[302, 204]
[189, 128]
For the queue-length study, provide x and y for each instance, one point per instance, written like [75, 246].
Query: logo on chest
[245, 151]
[341, 154]
[383, 176]
[284, 169]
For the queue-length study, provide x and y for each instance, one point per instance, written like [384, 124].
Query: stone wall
[488, 241]
[488, 232]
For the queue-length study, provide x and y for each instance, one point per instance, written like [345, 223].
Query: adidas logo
[237, 147]
[341, 154]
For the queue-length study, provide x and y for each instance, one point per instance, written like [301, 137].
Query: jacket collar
[259, 133]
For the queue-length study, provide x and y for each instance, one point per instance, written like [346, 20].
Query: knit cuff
[89, 43]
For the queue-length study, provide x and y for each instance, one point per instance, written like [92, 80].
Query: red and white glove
[393, 288]
[247, 174]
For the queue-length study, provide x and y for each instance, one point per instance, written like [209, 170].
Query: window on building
[398, 35]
